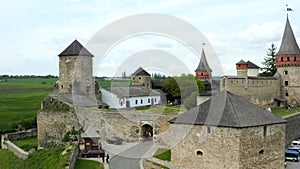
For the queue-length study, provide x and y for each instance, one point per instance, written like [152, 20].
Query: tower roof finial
[289, 44]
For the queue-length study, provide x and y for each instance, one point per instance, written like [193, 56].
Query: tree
[182, 87]
[270, 62]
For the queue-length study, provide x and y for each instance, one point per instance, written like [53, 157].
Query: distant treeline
[26, 76]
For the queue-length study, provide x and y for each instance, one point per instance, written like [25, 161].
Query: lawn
[108, 83]
[283, 111]
[50, 159]
[163, 154]
[83, 164]
[20, 99]
[166, 109]
[27, 143]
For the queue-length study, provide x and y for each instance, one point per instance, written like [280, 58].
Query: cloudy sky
[34, 32]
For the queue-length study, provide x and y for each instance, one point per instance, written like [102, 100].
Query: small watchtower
[203, 71]
[242, 68]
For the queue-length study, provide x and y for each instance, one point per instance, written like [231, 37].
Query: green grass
[83, 164]
[27, 143]
[283, 111]
[162, 109]
[159, 165]
[20, 99]
[163, 154]
[108, 83]
[50, 159]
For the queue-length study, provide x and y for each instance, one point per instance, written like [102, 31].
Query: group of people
[105, 156]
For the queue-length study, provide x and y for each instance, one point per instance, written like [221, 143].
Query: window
[286, 94]
[281, 59]
[148, 100]
[285, 72]
[288, 58]
[136, 101]
[208, 130]
[121, 103]
[265, 131]
[199, 153]
[155, 100]
[141, 101]
[62, 86]
[140, 78]
[286, 83]
[261, 152]
[133, 78]
[295, 59]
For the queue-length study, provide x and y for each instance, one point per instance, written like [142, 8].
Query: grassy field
[83, 164]
[20, 99]
[27, 143]
[50, 159]
[283, 111]
[163, 154]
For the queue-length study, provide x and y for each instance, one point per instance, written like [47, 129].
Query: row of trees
[26, 76]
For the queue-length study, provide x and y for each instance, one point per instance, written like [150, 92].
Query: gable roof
[241, 62]
[90, 133]
[227, 110]
[289, 44]
[203, 65]
[141, 72]
[252, 65]
[131, 91]
[75, 49]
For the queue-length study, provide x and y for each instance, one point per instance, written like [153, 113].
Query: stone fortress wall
[54, 123]
[257, 90]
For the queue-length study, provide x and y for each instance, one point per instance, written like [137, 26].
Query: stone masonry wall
[216, 149]
[292, 128]
[52, 126]
[122, 124]
[258, 91]
[207, 147]
[262, 147]
[293, 86]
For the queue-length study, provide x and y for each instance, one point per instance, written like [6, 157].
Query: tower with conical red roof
[203, 71]
[288, 66]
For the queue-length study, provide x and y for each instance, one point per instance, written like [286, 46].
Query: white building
[130, 96]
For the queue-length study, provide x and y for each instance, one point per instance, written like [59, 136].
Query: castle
[234, 134]
[280, 90]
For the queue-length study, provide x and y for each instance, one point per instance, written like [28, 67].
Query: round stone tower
[288, 64]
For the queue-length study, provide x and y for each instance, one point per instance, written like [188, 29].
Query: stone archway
[147, 131]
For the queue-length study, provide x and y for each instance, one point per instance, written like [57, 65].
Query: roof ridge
[233, 108]
[75, 49]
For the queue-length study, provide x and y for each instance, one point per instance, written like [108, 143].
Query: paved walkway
[130, 158]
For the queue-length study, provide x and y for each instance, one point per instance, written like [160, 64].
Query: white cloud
[40, 30]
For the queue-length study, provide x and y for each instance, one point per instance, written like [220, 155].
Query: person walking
[107, 158]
